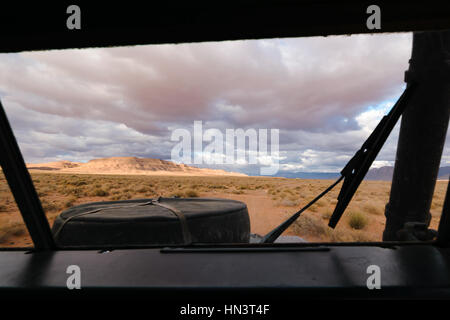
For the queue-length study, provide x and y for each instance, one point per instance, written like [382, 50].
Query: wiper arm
[275, 233]
[355, 170]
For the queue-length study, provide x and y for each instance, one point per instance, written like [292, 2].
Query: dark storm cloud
[305, 81]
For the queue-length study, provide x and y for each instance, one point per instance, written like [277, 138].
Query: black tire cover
[140, 223]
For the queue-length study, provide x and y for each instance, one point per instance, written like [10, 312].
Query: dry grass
[270, 201]
[191, 194]
[357, 220]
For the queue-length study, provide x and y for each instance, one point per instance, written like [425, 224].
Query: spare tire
[162, 221]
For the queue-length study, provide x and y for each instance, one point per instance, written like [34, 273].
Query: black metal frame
[22, 187]
[260, 272]
[272, 19]
[42, 26]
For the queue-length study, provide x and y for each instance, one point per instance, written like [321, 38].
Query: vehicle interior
[178, 260]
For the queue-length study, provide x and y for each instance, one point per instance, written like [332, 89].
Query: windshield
[267, 123]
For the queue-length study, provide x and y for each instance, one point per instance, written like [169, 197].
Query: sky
[323, 94]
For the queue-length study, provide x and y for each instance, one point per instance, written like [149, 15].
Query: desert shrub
[143, 189]
[126, 196]
[435, 205]
[18, 230]
[100, 193]
[42, 193]
[191, 194]
[321, 203]
[77, 192]
[337, 235]
[69, 203]
[373, 209]
[283, 195]
[115, 191]
[77, 183]
[178, 194]
[288, 203]
[309, 225]
[217, 186]
[107, 187]
[11, 229]
[357, 220]
[326, 215]
[49, 206]
[360, 236]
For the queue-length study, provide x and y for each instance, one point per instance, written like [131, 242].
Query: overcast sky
[324, 94]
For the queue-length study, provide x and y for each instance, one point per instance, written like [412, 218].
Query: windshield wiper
[355, 170]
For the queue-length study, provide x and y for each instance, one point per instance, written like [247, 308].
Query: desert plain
[270, 200]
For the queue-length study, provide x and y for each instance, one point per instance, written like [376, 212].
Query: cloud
[324, 94]
[307, 80]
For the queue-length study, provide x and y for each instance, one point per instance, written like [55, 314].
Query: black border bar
[42, 25]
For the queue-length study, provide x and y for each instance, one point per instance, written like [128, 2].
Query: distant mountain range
[147, 166]
[309, 175]
[386, 173]
[382, 173]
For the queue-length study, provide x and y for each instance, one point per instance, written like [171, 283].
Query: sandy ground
[269, 200]
[264, 214]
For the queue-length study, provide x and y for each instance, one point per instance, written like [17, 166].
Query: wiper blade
[355, 170]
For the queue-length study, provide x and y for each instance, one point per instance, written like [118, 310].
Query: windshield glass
[268, 123]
